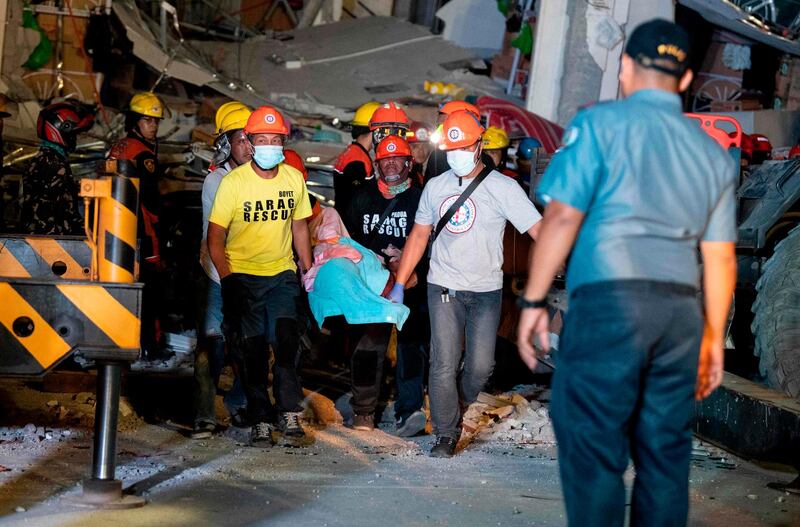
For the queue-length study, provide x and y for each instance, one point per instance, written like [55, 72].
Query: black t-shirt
[437, 164]
[365, 210]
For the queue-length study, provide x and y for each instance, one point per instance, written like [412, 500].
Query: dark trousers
[623, 390]
[367, 363]
[257, 311]
[413, 344]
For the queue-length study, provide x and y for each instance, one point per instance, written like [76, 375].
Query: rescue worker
[526, 150]
[389, 119]
[437, 163]
[495, 147]
[378, 219]
[232, 149]
[259, 213]
[136, 156]
[637, 345]
[419, 139]
[465, 280]
[354, 165]
[50, 204]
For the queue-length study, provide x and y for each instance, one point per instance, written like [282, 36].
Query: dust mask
[267, 157]
[462, 161]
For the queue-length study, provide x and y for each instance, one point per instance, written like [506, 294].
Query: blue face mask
[268, 156]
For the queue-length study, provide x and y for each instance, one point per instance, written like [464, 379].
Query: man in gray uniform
[636, 188]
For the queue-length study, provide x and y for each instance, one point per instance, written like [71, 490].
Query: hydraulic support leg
[102, 490]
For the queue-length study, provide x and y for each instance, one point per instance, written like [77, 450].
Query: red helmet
[389, 115]
[419, 133]
[756, 148]
[795, 151]
[392, 146]
[60, 123]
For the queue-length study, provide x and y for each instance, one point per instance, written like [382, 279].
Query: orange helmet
[419, 133]
[389, 115]
[461, 128]
[455, 106]
[266, 120]
[392, 146]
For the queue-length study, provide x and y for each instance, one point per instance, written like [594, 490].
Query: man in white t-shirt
[232, 150]
[465, 278]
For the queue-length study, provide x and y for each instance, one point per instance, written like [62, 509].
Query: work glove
[397, 293]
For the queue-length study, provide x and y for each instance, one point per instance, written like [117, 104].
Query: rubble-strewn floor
[345, 478]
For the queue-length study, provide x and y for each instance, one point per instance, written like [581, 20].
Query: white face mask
[462, 161]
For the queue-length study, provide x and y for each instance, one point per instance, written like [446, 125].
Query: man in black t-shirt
[380, 217]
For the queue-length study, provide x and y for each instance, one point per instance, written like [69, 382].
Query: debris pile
[519, 416]
[61, 414]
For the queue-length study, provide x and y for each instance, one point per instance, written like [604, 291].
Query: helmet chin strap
[387, 189]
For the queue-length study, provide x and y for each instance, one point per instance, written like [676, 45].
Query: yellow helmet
[364, 113]
[235, 119]
[224, 110]
[495, 138]
[147, 103]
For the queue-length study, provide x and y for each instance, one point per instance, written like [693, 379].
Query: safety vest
[354, 152]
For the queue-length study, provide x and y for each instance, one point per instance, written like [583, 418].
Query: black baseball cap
[661, 45]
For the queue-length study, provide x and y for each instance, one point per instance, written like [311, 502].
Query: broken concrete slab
[342, 64]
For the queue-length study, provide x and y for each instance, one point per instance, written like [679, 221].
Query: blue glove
[397, 293]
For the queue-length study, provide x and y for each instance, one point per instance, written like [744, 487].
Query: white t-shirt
[210, 186]
[468, 254]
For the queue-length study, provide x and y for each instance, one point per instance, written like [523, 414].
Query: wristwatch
[524, 303]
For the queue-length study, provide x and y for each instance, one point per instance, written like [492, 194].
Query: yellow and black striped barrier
[45, 257]
[59, 294]
[117, 198]
[42, 323]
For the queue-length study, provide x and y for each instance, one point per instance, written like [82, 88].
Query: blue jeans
[623, 389]
[212, 308]
[470, 315]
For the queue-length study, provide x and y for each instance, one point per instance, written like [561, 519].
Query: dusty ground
[345, 478]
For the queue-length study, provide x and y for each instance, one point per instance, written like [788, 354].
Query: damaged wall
[567, 72]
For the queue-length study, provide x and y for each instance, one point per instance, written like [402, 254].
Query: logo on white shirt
[464, 217]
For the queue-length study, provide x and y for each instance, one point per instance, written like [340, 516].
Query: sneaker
[364, 423]
[203, 430]
[444, 447]
[290, 424]
[261, 435]
[239, 418]
[412, 424]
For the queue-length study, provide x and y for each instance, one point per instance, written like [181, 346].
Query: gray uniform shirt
[468, 254]
[652, 185]
[210, 186]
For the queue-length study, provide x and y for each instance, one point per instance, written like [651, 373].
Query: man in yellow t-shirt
[259, 212]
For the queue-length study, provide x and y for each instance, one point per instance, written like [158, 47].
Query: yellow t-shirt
[258, 215]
